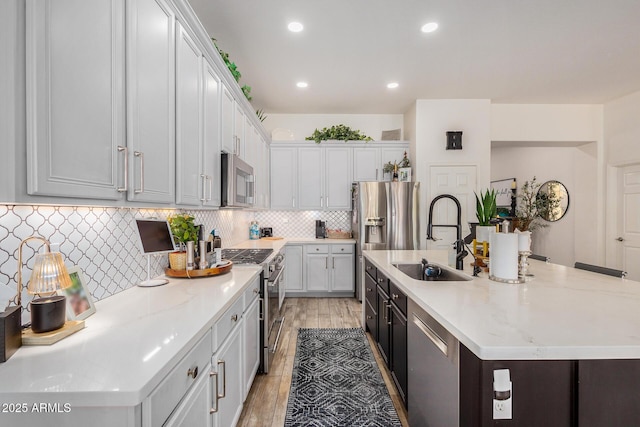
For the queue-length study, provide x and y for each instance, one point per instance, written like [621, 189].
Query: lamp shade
[49, 274]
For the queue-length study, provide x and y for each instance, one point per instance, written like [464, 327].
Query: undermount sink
[415, 272]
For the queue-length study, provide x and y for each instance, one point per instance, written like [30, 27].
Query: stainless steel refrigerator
[384, 215]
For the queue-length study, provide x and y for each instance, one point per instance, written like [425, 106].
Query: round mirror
[553, 199]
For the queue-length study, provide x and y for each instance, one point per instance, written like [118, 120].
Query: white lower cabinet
[194, 411]
[227, 365]
[251, 352]
[328, 268]
[293, 270]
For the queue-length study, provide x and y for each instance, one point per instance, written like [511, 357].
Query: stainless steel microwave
[237, 182]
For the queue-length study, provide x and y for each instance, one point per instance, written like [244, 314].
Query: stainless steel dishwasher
[433, 362]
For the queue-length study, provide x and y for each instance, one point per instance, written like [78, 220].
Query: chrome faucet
[459, 243]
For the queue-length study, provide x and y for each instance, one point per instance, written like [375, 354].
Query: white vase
[483, 232]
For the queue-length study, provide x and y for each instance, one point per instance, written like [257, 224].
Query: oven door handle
[271, 283]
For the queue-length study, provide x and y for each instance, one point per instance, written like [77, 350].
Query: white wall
[572, 238]
[544, 122]
[303, 125]
[433, 119]
[622, 130]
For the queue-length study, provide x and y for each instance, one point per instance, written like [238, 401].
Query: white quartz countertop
[563, 313]
[127, 347]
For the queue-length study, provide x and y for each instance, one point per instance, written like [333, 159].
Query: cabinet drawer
[317, 249]
[370, 290]
[164, 399]
[226, 323]
[370, 269]
[383, 282]
[251, 293]
[398, 297]
[341, 249]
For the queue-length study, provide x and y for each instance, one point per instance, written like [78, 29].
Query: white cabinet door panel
[228, 130]
[293, 271]
[366, 164]
[317, 272]
[251, 345]
[194, 409]
[228, 363]
[75, 98]
[211, 136]
[284, 177]
[342, 272]
[189, 183]
[151, 101]
[310, 178]
[338, 178]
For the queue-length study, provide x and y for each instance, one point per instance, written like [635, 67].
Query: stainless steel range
[272, 294]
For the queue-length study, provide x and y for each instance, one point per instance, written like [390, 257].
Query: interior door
[629, 220]
[460, 182]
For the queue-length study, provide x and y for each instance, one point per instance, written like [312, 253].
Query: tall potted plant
[183, 230]
[486, 209]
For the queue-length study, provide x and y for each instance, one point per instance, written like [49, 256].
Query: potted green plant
[486, 209]
[183, 230]
[337, 133]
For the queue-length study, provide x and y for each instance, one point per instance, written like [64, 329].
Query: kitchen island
[570, 339]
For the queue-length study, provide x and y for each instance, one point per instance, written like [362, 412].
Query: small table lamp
[49, 275]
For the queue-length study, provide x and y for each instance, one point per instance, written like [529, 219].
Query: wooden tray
[47, 338]
[194, 274]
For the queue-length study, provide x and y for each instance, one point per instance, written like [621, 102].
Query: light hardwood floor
[266, 404]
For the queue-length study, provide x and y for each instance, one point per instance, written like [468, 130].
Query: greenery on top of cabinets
[404, 163]
[339, 133]
[486, 207]
[233, 68]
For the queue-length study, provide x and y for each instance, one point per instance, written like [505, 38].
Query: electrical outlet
[502, 395]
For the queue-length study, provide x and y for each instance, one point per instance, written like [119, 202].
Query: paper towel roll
[504, 256]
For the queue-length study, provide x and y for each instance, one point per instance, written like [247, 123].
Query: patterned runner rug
[336, 382]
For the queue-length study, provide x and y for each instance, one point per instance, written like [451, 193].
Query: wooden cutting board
[272, 238]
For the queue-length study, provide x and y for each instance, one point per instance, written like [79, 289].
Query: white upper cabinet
[211, 137]
[229, 144]
[75, 98]
[239, 132]
[338, 178]
[366, 164]
[310, 178]
[190, 186]
[151, 101]
[284, 177]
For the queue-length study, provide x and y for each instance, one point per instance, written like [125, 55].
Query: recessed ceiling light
[295, 27]
[429, 27]
[393, 85]
[302, 85]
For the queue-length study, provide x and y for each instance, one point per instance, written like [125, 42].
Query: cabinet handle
[261, 308]
[368, 267]
[224, 379]
[204, 187]
[126, 168]
[326, 263]
[140, 155]
[380, 280]
[234, 318]
[395, 296]
[369, 317]
[210, 188]
[389, 314]
[255, 291]
[193, 373]
[293, 202]
[214, 409]
[368, 289]
[333, 263]
[327, 201]
[376, 174]
[321, 201]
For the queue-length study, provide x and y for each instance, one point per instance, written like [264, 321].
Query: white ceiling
[510, 51]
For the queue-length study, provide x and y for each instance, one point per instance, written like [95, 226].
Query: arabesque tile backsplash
[102, 241]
